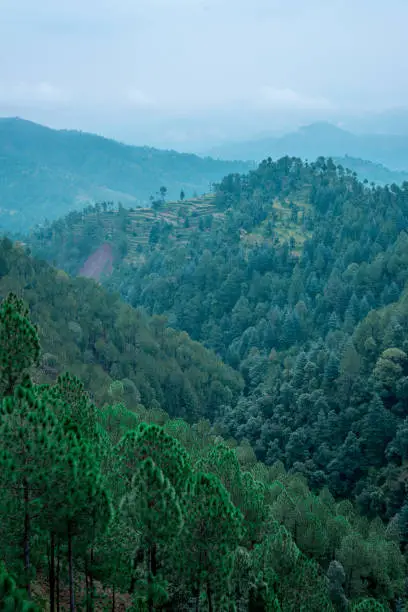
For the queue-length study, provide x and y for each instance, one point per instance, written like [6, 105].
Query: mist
[187, 74]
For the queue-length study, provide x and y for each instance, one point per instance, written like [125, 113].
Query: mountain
[324, 139]
[45, 173]
[372, 172]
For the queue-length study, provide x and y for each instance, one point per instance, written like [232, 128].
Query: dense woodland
[289, 430]
[118, 506]
[319, 334]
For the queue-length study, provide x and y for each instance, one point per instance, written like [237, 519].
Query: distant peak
[322, 127]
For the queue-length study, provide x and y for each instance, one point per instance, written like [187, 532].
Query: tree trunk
[154, 559]
[91, 580]
[209, 597]
[57, 589]
[133, 579]
[197, 602]
[132, 585]
[52, 573]
[26, 540]
[87, 585]
[113, 599]
[149, 578]
[71, 573]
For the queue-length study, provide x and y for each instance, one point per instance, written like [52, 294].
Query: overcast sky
[182, 71]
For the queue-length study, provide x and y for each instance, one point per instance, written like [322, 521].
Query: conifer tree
[166, 452]
[211, 534]
[82, 508]
[77, 405]
[152, 510]
[19, 346]
[29, 435]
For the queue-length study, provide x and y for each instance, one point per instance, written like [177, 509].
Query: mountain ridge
[45, 173]
[321, 139]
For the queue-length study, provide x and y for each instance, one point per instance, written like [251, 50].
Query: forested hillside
[45, 173]
[113, 348]
[299, 285]
[116, 506]
[325, 382]
[299, 282]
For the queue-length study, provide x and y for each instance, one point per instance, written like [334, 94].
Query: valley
[203, 306]
[246, 349]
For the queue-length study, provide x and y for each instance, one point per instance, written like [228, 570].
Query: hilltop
[102, 238]
[349, 149]
[46, 173]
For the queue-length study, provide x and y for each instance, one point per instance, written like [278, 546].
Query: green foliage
[20, 348]
[318, 331]
[368, 605]
[152, 506]
[155, 364]
[103, 489]
[11, 598]
[166, 452]
[213, 528]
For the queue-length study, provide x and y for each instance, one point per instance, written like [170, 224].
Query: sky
[185, 73]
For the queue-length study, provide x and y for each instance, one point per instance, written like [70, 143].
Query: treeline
[114, 508]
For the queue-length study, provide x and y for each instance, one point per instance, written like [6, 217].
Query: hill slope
[108, 500]
[282, 288]
[45, 173]
[105, 342]
[325, 139]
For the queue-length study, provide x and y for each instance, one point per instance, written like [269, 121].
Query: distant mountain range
[373, 172]
[322, 139]
[46, 173]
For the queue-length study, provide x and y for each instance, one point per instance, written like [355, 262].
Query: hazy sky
[191, 70]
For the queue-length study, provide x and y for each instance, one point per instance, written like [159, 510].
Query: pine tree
[165, 451]
[153, 511]
[29, 435]
[331, 371]
[378, 429]
[78, 408]
[80, 501]
[19, 346]
[211, 534]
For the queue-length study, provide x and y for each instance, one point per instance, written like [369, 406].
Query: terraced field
[131, 233]
[285, 222]
[174, 215]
